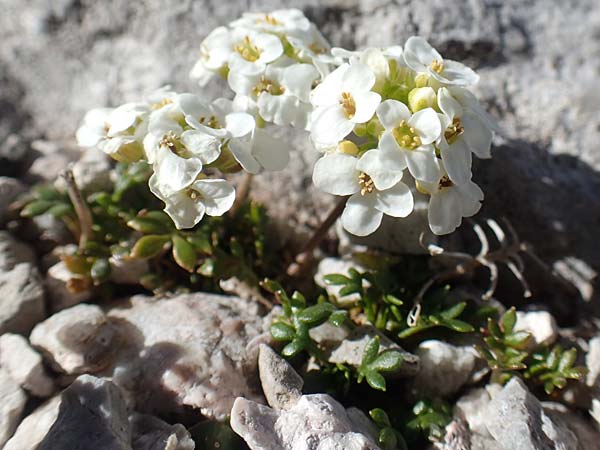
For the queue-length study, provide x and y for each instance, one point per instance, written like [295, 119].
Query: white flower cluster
[186, 141]
[375, 114]
[382, 112]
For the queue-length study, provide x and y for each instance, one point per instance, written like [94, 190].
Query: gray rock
[151, 433]
[57, 282]
[76, 340]
[281, 384]
[125, 270]
[92, 172]
[444, 367]
[196, 350]
[587, 436]
[12, 402]
[345, 346]
[340, 266]
[13, 252]
[93, 414]
[21, 299]
[592, 361]
[516, 419]
[541, 325]
[32, 430]
[10, 189]
[316, 421]
[471, 408]
[24, 365]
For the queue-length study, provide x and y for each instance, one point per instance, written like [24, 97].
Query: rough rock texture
[10, 189]
[76, 340]
[24, 365]
[196, 350]
[21, 299]
[59, 294]
[281, 384]
[151, 433]
[93, 414]
[338, 266]
[592, 361]
[34, 427]
[13, 252]
[444, 367]
[541, 325]
[12, 402]
[317, 421]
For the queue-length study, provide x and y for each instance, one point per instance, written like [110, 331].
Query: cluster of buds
[374, 114]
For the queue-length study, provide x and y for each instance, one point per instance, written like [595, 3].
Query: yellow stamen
[348, 104]
[160, 104]
[437, 66]
[454, 130]
[211, 122]
[366, 184]
[406, 136]
[269, 86]
[171, 142]
[271, 20]
[193, 194]
[249, 51]
[445, 183]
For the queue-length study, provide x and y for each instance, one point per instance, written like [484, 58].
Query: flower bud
[348, 147]
[421, 80]
[421, 98]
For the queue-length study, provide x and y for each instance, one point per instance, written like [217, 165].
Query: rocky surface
[151, 433]
[541, 325]
[59, 294]
[281, 384]
[12, 402]
[13, 251]
[35, 426]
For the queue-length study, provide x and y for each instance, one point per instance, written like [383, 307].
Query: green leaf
[459, 325]
[148, 225]
[370, 352]
[297, 299]
[201, 243]
[100, 270]
[282, 331]
[375, 380]
[36, 208]
[207, 268]
[60, 210]
[338, 318]
[387, 361]
[336, 279]
[316, 314]
[350, 289]
[293, 348]
[509, 319]
[380, 417]
[149, 246]
[184, 253]
[388, 439]
[454, 311]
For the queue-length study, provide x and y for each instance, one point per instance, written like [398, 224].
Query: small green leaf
[388, 439]
[36, 208]
[375, 380]
[293, 348]
[380, 417]
[350, 289]
[184, 253]
[336, 279]
[297, 299]
[454, 311]
[282, 331]
[149, 246]
[60, 210]
[387, 361]
[459, 325]
[370, 352]
[148, 225]
[338, 318]
[100, 270]
[316, 314]
[509, 319]
[207, 268]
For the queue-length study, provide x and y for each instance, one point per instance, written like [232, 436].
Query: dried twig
[82, 210]
[242, 193]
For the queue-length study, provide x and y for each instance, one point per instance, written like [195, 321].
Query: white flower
[252, 50]
[282, 21]
[423, 58]
[464, 132]
[188, 205]
[450, 202]
[343, 174]
[94, 127]
[407, 139]
[280, 94]
[342, 100]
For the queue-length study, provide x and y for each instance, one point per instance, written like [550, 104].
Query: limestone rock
[281, 384]
[13, 252]
[316, 421]
[10, 189]
[151, 433]
[587, 436]
[125, 270]
[540, 324]
[76, 340]
[32, 430]
[12, 402]
[340, 266]
[592, 361]
[93, 414]
[24, 365]
[21, 299]
[61, 297]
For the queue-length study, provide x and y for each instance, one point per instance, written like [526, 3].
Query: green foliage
[430, 418]
[553, 368]
[445, 318]
[389, 438]
[375, 362]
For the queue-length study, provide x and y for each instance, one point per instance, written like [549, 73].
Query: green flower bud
[421, 98]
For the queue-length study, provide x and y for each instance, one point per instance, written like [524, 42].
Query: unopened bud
[421, 98]
[348, 147]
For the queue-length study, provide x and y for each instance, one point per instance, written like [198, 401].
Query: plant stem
[296, 268]
[82, 210]
[242, 193]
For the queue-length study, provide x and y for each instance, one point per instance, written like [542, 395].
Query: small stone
[317, 421]
[60, 295]
[592, 361]
[125, 270]
[12, 402]
[587, 436]
[24, 365]
[540, 324]
[10, 189]
[471, 408]
[445, 368]
[13, 252]
[76, 340]
[151, 433]
[32, 430]
[21, 299]
[281, 384]
[92, 414]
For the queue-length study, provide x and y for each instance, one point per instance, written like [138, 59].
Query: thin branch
[84, 215]
[242, 193]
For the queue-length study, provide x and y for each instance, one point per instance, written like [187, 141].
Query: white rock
[329, 266]
[32, 430]
[13, 252]
[12, 402]
[125, 270]
[10, 189]
[76, 340]
[587, 437]
[21, 299]
[592, 361]
[61, 297]
[281, 384]
[24, 365]
[151, 433]
[92, 172]
[196, 350]
[316, 421]
[471, 408]
[540, 324]
[445, 368]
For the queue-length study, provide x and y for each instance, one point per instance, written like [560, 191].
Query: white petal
[358, 78]
[336, 174]
[242, 152]
[327, 93]
[298, 80]
[239, 124]
[477, 135]
[174, 172]
[391, 113]
[388, 143]
[191, 104]
[269, 45]
[445, 213]
[217, 196]
[271, 153]
[422, 164]
[366, 104]
[241, 83]
[203, 146]
[385, 168]
[457, 161]
[329, 125]
[359, 216]
[448, 105]
[283, 109]
[396, 202]
[184, 211]
[471, 197]
[418, 54]
[427, 124]
[237, 64]
[456, 73]
[120, 120]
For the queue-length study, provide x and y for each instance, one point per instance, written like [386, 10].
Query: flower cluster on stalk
[388, 121]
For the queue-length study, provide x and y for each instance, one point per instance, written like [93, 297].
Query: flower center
[193, 194]
[348, 104]
[171, 142]
[316, 48]
[406, 136]
[366, 184]
[454, 130]
[249, 51]
[211, 122]
[271, 20]
[437, 66]
[445, 183]
[269, 86]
